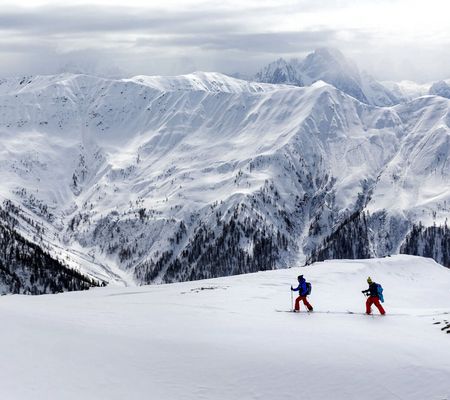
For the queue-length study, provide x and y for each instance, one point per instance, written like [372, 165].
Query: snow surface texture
[156, 179]
[222, 339]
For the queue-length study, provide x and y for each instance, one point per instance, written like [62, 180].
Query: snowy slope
[222, 339]
[173, 178]
[52, 150]
[26, 268]
[423, 157]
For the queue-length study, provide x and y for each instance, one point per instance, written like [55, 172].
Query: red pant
[374, 300]
[305, 302]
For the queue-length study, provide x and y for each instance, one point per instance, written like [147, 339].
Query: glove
[292, 288]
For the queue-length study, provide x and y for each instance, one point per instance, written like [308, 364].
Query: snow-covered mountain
[26, 268]
[161, 179]
[329, 65]
[222, 339]
[281, 71]
[440, 88]
[406, 91]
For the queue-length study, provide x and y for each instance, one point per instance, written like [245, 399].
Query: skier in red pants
[375, 294]
[302, 290]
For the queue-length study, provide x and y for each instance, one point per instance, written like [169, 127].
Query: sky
[390, 39]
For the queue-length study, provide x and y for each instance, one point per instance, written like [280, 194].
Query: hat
[369, 280]
[300, 277]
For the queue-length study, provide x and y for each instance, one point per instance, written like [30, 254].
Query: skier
[303, 291]
[374, 297]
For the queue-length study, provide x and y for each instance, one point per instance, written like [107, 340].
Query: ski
[348, 312]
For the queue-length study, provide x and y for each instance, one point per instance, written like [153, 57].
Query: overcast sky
[391, 39]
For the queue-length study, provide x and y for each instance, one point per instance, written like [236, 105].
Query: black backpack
[308, 288]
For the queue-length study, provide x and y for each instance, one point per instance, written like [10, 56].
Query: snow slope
[423, 157]
[156, 179]
[222, 339]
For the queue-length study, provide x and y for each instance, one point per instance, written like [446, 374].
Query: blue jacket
[301, 288]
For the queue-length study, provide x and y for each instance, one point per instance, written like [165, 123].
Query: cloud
[79, 20]
[274, 43]
[141, 38]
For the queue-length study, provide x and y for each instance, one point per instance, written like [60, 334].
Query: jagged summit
[331, 66]
[440, 88]
[281, 71]
[328, 61]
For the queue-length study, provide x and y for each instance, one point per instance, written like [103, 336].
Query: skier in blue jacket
[302, 292]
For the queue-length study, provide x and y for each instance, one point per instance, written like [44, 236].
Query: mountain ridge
[167, 179]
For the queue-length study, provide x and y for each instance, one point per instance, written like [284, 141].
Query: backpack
[380, 292]
[308, 288]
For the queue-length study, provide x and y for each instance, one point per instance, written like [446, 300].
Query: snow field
[222, 339]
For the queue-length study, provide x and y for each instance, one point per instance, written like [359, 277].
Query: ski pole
[292, 301]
